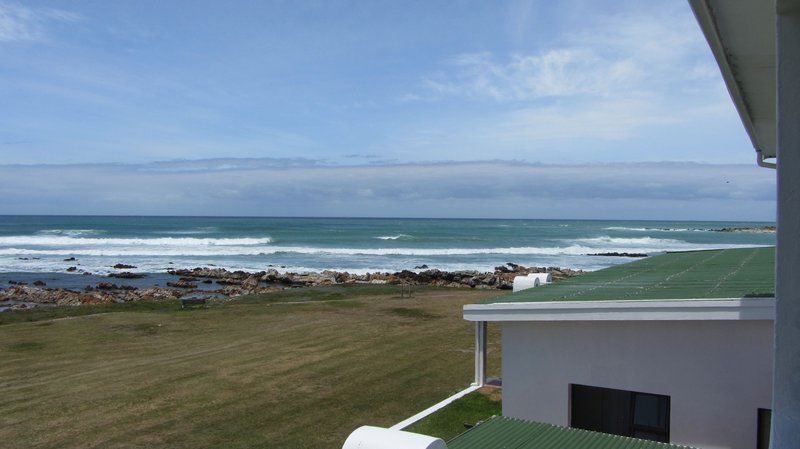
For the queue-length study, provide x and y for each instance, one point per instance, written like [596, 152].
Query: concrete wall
[717, 373]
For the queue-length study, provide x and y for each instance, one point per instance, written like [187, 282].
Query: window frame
[760, 430]
[663, 432]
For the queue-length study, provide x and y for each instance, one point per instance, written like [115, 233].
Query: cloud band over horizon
[304, 187]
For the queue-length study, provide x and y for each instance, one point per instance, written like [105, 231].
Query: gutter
[762, 161]
[708, 25]
[625, 310]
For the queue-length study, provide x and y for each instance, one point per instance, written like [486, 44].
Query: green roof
[509, 433]
[727, 273]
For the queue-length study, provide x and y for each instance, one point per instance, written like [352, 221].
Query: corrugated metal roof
[509, 433]
[729, 273]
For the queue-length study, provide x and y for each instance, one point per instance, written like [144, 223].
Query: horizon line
[311, 217]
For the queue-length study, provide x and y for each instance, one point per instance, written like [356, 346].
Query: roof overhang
[625, 310]
[742, 34]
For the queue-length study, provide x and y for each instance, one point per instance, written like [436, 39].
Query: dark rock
[69, 259]
[127, 275]
[182, 284]
[71, 269]
[754, 230]
[121, 266]
[615, 254]
[229, 281]
[107, 286]
[39, 283]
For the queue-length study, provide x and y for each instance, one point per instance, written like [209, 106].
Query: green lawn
[295, 369]
[450, 421]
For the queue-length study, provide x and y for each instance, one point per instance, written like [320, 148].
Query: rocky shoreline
[230, 284]
[754, 230]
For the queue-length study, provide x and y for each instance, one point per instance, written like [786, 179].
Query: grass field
[296, 369]
[450, 421]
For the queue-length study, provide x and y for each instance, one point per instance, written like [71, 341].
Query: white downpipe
[434, 408]
[481, 347]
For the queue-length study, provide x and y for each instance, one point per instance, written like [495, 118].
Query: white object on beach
[525, 282]
[544, 278]
[369, 437]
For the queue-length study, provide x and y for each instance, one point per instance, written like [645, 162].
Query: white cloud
[21, 23]
[477, 189]
[555, 73]
[620, 74]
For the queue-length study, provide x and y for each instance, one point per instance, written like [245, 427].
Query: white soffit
[741, 34]
[625, 310]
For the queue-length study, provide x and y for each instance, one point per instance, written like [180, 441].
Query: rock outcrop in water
[236, 283]
[122, 266]
[616, 254]
[501, 278]
[753, 230]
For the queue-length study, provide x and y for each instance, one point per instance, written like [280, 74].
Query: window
[764, 423]
[620, 412]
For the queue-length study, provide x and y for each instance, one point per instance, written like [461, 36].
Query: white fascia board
[705, 17]
[625, 310]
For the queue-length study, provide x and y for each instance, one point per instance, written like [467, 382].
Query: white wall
[717, 373]
[786, 420]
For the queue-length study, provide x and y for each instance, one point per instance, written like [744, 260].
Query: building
[673, 348]
[695, 351]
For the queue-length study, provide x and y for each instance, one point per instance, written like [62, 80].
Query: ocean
[39, 244]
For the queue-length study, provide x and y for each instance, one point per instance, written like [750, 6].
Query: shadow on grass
[26, 346]
[413, 312]
[50, 313]
[320, 293]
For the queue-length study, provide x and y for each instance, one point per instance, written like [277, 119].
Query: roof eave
[708, 25]
[625, 310]
[741, 35]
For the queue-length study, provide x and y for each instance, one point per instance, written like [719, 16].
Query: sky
[524, 109]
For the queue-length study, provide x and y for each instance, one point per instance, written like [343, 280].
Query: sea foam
[70, 241]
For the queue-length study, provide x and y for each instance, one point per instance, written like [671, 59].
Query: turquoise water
[153, 244]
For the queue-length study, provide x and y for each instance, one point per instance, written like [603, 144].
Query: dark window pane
[652, 436]
[651, 411]
[616, 412]
[764, 423]
[587, 408]
[620, 412]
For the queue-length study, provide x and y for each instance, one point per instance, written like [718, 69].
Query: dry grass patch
[257, 373]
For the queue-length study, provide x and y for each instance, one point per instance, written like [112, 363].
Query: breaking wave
[395, 237]
[238, 250]
[623, 228]
[70, 232]
[195, 231]
[605, 241]
[70, 241]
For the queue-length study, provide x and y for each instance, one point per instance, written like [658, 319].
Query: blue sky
[367, 84]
